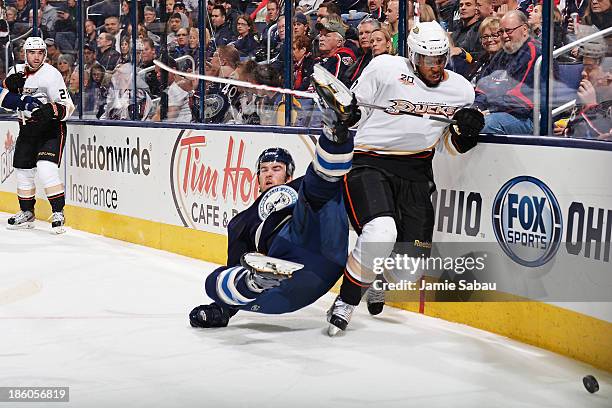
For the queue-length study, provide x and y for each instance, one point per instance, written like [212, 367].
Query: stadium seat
[570, 74]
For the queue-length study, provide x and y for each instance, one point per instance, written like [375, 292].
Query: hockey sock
[57, 201]
[333, 159]
[352, 289]
[228, 287]
[27, 203]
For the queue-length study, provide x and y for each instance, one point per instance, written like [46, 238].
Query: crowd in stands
[495, 44]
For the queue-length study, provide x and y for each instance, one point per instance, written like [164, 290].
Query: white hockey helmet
[429, 40]
[34, 43]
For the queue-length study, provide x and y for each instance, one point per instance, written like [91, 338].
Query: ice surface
[109, 320]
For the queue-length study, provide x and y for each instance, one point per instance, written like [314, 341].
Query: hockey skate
[339, 316]
[376, 300]
[57, 222]
[207, 316]
[21, 220]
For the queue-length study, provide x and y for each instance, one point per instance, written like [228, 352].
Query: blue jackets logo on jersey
[527, 221]
[276, 199]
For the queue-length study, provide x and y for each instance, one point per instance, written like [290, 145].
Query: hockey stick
[301, 94]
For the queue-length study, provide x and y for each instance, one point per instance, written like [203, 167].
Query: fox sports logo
[527, 221]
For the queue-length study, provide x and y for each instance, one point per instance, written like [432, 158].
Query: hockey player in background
[42, 134]
[301, 221]
[388, 190]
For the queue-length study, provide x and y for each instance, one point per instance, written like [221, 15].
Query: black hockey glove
[14, 82]
[465, 133]
[335, 127]
[49, 112]
[470, 121]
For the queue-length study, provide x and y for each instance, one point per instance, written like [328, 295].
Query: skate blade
[332, 330]
[24, 226]
[58, 230]
[263, 264]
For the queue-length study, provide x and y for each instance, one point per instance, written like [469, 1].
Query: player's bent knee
[48, 173]
[380, 229]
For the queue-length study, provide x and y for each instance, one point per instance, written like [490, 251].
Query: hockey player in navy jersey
[299, 222]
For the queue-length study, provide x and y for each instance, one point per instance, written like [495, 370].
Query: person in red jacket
[334, 57]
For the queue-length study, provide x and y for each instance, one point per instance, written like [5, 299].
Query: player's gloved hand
[48, 112]
[14, 82]
[29, 103]
[465, 133]
[470, 121]
[336, 125]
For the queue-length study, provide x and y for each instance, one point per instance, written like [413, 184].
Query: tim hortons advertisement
[213, 174]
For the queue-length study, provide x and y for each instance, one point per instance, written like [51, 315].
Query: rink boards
[546, 213]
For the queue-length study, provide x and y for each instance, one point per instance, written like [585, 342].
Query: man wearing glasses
[505, 91]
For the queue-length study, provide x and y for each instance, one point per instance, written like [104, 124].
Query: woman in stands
[490, 38]
[381, 42]
[247, 41]
[599, 14]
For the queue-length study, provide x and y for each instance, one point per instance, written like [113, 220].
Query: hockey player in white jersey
[387, 193]
[42, 134]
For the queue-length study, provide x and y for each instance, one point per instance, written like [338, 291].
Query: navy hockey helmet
[277, 154]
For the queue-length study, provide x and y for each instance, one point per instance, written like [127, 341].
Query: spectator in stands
[150, 21]
[18, 52]
[112, 25]
[535, 21]
[247, 41]
[364, 55]
[125, 18]
[501, 7]
[465, 36]
[65, 30]
[49, 15]
[490, 38]
[194, 43]
[108, 57]
[53, 52]
[381, 42]
[231, 16]
[334, 56]
[23, 11]
[301, 25]
[485, 8]
[270, 106]
[224, 61]
[327, 8]
[146, 61]
[591, 118]
[174, 24]
[96, 90]
[599, 14]
[303, 63]
[178, 96]
[89, 56]
[125, 50]
[11, 19]
[179, 7]
[505, 91]
[427, 13]
[64, 66]
[272, 15]
[375, 9]
[91, 34]
[222, 33]
[72, 8]
[182, 43]
[392, 21]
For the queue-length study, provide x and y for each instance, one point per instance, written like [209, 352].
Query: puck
[590, 383]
